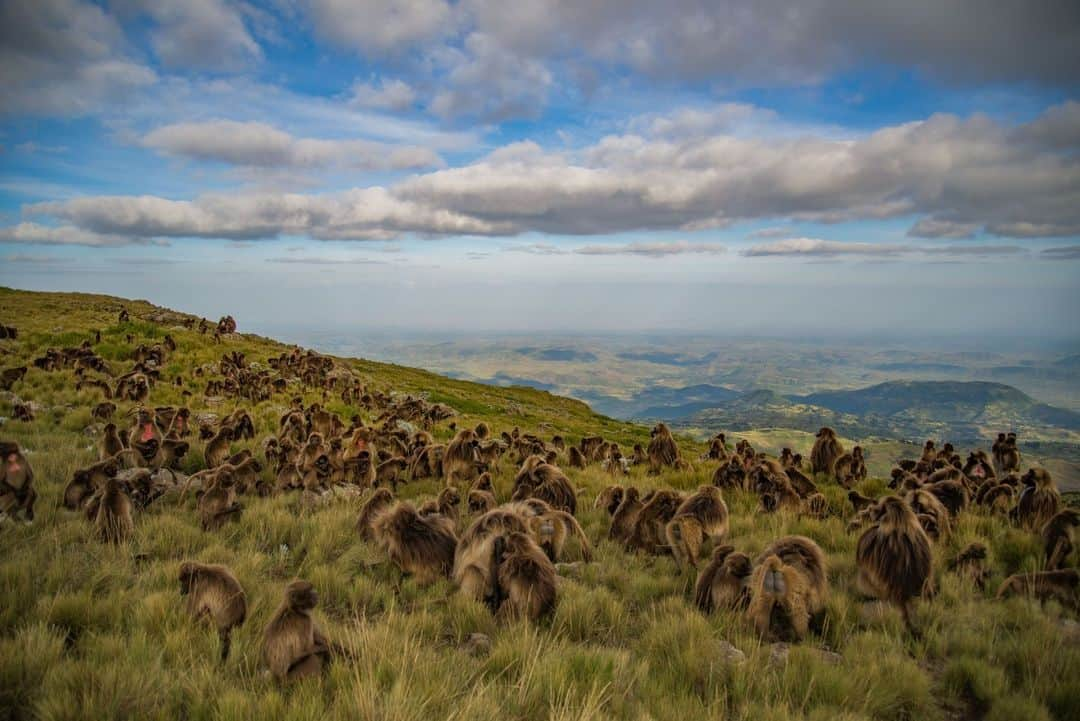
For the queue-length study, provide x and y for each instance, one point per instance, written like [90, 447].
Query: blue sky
[819, 166]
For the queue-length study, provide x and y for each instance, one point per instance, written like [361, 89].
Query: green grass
[89, 631]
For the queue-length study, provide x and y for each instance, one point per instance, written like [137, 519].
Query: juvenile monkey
[1062, 585]
[1059, 538]
[722, 583]
[609, 499]
[702, 516]
[526, 578]
[16, 482]
[422, 546]
[624, 519]
[217, 450]
[218, 502]
[481, 501]
[379, 500]
[212, 592]
[293, 645]
[112, 519]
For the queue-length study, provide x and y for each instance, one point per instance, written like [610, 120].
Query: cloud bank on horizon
[674, 141]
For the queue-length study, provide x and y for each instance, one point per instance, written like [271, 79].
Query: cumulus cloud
[818, 248]
[1068, 252]
[394, 94]
[380, 27]
[361, 214]
[35, 234]
[654, 250]
[785, 41]
[264, 146]
[200, 34]
[535, 249]
[63, 57]
[966, 174]
[325, 261]
[489, 82]
[815, 247]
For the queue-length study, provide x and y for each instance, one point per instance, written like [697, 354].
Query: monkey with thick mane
[460, 460]
[294, 646]
[650, 527]
[212, 592]
[788, 588]
[894, 556]
[663, 451]
[419, 545]
[701, 517]
[1039, 501]
[826, 451]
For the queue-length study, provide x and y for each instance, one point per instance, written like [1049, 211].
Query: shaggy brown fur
[212, 592]
[894, 556]
[85, 482]
[526, 578]
[421, 546]
[924, 503]
[474, 571]
[624, 519]
[788, 588]
[576, 458]
[721, 584]
[551, 529]
[17, 493]
[701, 517]
[481, 501]
[1039, 500]
[379, 500]
[1062, 586]
[730, 475]
[446, 504]
[826, 450]
[293, 645]
[460, 460]
[1059, 538]
[217, 450]
[663, 451]
[650, 533]
[218, 502]
[609, 499]
[971, 564]
[112, 518]
[546, 482]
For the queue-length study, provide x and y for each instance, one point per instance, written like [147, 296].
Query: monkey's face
[738, 565]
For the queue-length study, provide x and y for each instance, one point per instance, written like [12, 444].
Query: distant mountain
[908, 410]
[659, 403]
[671, 359]
[557, 354]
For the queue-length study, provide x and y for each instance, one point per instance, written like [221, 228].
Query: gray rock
[730, 654]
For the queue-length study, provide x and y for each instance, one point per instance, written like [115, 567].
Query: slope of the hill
[92, 631]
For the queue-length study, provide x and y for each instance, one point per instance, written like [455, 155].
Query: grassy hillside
[90, 631]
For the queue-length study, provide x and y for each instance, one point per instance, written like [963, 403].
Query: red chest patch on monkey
[13, 463]
[979, 472]
[148, 432]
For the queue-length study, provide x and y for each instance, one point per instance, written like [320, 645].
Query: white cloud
[325, 261]
[260, 145]
[654, 249]
[63, 57]
[491, 83]
[394, 94]
[821, 248]
[35, 234]
[200, 34]
[972, 174]
[379, 27]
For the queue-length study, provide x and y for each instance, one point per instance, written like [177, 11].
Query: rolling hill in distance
[868, 390]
